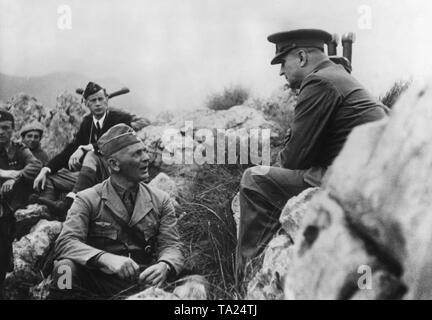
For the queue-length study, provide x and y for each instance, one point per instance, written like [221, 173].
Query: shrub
[208, 229]
[393, 94]
[279, 107]
[230, 97]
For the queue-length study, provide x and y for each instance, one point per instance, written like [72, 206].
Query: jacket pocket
[102, 236]
[149, 226]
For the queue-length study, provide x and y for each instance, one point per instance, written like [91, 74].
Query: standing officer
[51, 179]
[121, 230]
[31, 135]
[330, 104]
[18, 167]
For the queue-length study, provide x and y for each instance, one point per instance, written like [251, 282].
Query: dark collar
[322, 65]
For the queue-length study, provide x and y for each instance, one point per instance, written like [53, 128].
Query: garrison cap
[91, 88]
[301, 38]
[6, 116]
[116, 138]
[34, 126]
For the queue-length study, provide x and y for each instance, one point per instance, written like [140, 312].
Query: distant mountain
[46, 89]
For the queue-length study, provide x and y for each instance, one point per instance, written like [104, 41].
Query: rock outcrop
[34, 246]
[367, 233]
[188, 288]
[197, 132]
[163, 182]
[30, 257]
[27, 217]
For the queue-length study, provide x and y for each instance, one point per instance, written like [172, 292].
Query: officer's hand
[40, 181]
[74, 160]
[154, 275]
[123, 267]
[7, 186]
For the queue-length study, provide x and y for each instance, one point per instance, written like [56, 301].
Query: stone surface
[153, 293]
[267, 283]
[193, 137]
[188, 288]
[27, 217]
[326, 255]
[192, 288]
[385, 189]
[294, 211]
[163, 182]
[383, 286]
[235, 117]
[367, 234]
[320, 262]
[30, 257]
[35, 245]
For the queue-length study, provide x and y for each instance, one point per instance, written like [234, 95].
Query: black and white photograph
[232, 150]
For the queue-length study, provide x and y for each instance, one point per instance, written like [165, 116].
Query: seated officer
[330, 104]
[31, 135]
[18, 168]
[55, 177]
[120, 231]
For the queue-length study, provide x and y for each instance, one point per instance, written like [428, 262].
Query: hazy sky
[175, 52]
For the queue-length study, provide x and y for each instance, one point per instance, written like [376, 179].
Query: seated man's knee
[249, 175]
[246, 179]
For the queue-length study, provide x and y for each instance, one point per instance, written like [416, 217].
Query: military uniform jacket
[19, 157]
[86, 135]
[98, 222]
[41, 155]
[330, 104]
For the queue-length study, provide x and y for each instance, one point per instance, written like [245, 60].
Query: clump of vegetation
[230, 97]
[393, 94]
[208, 229]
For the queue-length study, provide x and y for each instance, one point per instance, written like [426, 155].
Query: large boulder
[367, 233]
[385, 189]
[30, 257]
